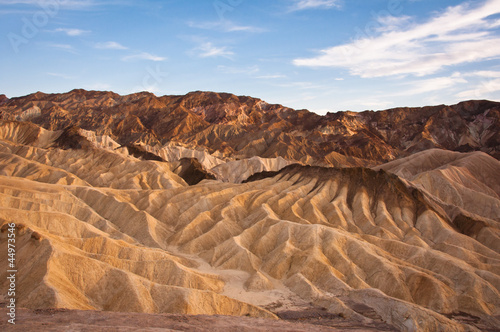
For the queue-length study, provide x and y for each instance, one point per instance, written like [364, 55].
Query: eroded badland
[213, 204]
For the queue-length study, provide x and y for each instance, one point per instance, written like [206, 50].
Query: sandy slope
[102, 230]
[470, 181]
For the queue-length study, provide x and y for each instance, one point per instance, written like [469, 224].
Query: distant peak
[78, 91]
[39, 94]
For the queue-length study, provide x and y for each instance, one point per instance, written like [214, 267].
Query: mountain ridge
[242, 126]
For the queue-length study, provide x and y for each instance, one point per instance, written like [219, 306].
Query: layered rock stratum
[214, 204]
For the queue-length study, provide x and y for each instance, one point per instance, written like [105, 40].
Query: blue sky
[322, 55]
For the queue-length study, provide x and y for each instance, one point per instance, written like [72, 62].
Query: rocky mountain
[212, 204]
[230, 126]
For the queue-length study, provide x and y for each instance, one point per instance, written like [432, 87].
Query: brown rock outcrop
[243, 127]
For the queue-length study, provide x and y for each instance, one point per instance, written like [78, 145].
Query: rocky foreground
[183, 205]
[76, 320]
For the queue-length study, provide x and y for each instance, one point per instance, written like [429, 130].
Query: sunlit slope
[466, 185]
[334, 237]
[414, 241]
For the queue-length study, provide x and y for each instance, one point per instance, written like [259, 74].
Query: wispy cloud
[224, 25]
[271, 77]
[67, 4]
[208, 50]
[56, 5]
[72, 32]
[143, 56]
[314, 4]
[487, 89]
[251, 70]
[63, 47]
[435, 84]
[110, 45]
[461, 34]
[15, 11]
[484, 73]
[66, 77]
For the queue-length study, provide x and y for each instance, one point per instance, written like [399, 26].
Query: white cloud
[15, 12]
[72, 32]
[311, 4]
[431, 85]
[68, 4]
[461, 34]
[66, 77]
[390, 23]
[224, 25]
[63, 47]
[207, 49]
[239, 70]
[484, 90]
[110, 45]
[143, 56]
[271, 77]
[484, 73]
[56, 5]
